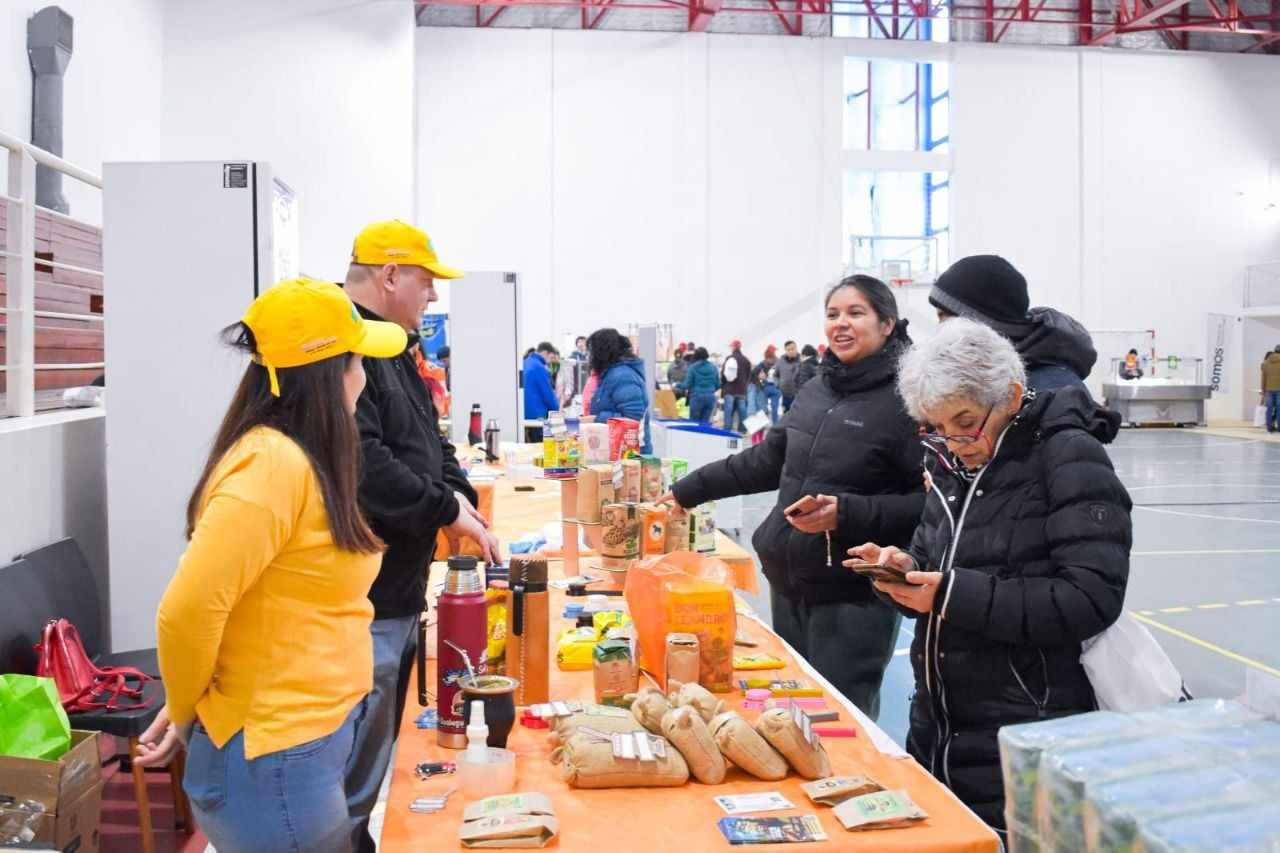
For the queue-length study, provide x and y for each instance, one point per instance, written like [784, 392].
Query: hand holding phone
[806, 504]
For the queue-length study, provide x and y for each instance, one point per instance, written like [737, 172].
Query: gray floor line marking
[1204, 552]
[1209, 517]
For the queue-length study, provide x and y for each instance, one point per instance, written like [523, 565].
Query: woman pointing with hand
[846, 464]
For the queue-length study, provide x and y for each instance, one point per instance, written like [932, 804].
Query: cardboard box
[75, 827]
[51, 783]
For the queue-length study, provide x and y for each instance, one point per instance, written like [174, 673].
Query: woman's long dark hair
[311, 410]
[879, 297]
[607, 347]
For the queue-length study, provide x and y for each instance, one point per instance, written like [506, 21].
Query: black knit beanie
[985, 288]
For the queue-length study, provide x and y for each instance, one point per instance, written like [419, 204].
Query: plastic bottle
[477, 735]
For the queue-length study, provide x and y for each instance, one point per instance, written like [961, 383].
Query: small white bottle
[477, 735]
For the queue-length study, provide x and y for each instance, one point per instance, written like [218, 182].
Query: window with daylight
[898, 223]
[897, 168]
[875, 20]
[896, 106]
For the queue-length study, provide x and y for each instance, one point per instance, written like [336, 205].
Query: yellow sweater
[265, 625]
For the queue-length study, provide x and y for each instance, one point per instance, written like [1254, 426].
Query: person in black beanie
[1057, 350]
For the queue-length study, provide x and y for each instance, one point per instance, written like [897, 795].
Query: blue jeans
[735, 404]
[774, 398]
[755, 399]
[786, 403]
[1273, 410]
[394, 643]
[701, 407]
[288, 800]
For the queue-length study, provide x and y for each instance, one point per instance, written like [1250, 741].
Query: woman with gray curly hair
[1022, 553]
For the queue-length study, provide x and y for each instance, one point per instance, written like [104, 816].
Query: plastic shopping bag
[1128, 669]
[32, 721]
[684, 593]
[1260, 415]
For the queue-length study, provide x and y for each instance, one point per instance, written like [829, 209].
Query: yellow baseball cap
[396, 242]
[300, 321]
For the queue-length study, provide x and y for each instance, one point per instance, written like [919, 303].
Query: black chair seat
[125, 724]
[142, 659]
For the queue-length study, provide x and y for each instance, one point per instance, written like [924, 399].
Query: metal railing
[20, 260]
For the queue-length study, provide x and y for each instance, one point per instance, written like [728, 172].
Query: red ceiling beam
[1169, 17]
[701, 12]
[1157, 11]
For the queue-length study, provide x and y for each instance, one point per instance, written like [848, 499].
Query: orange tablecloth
[657, 820]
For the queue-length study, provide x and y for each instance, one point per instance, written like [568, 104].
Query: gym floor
[1205, 569]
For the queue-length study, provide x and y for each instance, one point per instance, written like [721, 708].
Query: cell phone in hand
[806, 504]
[878, 572]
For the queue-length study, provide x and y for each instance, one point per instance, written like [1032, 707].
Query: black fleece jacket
[408, 476]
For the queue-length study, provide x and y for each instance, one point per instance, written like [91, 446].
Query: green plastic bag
[32, 721]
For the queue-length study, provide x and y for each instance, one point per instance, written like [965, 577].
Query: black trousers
[851, 644]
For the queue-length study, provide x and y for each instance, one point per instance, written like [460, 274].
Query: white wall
[53, 472]
[630, 177]
[321, 89]
[111, 93]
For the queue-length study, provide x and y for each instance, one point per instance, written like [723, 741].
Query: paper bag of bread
[744, 746]
[688, 733]
[697, 697]
[649, 706]
[791, 734]
[594, 759]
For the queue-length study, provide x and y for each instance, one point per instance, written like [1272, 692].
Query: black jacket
[408, 475]
[1041, 564]
[807, 370]
[1055, 347]
[738, 385]
[846, 435]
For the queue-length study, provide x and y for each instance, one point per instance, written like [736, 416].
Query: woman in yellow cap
[263, 632]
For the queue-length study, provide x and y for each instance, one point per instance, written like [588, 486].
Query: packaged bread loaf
[698, 697]
[791, 735]
[688, 732]
[589, 759]
[744, 746]
[648, 707]
[601, 718]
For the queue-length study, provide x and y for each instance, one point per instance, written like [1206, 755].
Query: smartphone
[808, 503]
[877, 572]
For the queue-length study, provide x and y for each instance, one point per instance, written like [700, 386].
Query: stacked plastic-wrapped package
[1116, 782]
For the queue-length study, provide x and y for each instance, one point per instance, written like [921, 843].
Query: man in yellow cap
[411, 486]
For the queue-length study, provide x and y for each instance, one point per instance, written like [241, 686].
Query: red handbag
[83, 686]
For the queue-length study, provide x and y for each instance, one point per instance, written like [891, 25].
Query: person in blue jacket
[622, 392]
[539, 396]
[701, 384]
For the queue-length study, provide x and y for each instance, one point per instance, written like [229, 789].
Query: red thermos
[461, 609]
[475, 432]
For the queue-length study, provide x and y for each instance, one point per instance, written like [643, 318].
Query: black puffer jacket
[846, 435]
[1041, 564]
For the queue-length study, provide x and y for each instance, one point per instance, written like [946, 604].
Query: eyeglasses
[936, 440]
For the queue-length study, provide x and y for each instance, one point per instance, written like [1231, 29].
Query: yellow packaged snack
[575, 648]
[606, 619]
[495, 652]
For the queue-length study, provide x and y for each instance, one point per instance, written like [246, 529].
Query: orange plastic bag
[684, 592]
